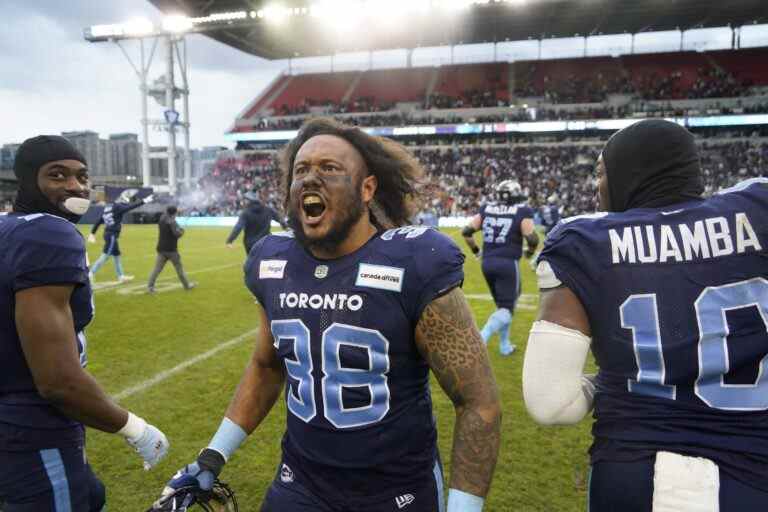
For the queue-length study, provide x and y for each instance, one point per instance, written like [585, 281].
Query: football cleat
[509, 192]
[221, 498]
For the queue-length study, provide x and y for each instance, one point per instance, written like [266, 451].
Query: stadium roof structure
[484, 21]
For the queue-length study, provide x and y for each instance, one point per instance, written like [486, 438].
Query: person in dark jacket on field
[255, 220]
[167, 249]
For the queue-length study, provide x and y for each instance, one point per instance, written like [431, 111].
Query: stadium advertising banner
[521, 127]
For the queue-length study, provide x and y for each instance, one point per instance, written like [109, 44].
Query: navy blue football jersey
[677, 299]
[357, 388]
[501, 230]
[550, 216]
[112, 218]
[37, 250]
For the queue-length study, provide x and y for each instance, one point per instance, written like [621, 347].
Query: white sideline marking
[111, 285]
[526, 301]
[160, 377]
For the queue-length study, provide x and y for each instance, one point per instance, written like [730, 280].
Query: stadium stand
[459, 177]
[662, 84]
[462, 169]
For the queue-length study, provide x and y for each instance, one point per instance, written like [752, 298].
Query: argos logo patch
[381, 277]
[272, 269]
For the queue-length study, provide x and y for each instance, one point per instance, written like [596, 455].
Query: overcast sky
[52, 80]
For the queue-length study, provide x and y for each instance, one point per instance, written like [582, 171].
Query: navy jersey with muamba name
[502, 237]
[677, 300]
[360, 411]
[37, 250]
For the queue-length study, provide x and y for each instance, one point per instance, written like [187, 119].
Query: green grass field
[136, 339]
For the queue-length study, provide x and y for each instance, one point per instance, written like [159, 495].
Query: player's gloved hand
[149, 199]
[477, 252]
[146, 439]
[201, 473]
[91, 238]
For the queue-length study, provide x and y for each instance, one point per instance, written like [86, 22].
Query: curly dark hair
[397, 171]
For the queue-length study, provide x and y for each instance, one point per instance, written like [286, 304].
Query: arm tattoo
[448, 339]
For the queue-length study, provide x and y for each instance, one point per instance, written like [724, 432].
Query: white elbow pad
[554, 386]
[546, 276]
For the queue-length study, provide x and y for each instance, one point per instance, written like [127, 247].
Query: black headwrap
[652, 163]
[30, 157]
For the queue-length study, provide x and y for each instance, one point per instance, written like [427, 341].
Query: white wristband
[133, 428]
[460, 501]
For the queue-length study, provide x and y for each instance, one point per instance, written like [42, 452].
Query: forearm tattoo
[448, 338]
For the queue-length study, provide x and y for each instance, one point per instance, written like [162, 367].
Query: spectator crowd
[459, 178]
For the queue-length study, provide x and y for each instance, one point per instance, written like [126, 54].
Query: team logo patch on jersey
[321, 271]
[404, 500]
[272, 269]
[286, 474]
[381, 277]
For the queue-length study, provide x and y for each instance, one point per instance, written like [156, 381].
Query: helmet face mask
[221, 498]
[509, 192]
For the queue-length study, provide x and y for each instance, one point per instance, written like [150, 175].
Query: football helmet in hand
[219, 498]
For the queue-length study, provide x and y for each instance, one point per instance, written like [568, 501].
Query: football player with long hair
[355, 309]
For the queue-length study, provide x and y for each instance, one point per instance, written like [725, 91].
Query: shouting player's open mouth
[313, 206]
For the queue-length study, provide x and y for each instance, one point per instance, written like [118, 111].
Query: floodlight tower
[165, 90]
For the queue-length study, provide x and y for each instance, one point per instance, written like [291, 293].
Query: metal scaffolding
[166, 92]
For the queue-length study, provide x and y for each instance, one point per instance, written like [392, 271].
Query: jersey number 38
[335, 377]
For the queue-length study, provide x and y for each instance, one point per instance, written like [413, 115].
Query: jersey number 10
[301, 399]
[640, 314]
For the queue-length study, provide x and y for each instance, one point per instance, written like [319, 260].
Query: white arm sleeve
[555, 390]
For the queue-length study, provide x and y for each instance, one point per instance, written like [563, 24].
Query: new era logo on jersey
[272, 269]
[286, 474]
[404, 500]
[381, 277]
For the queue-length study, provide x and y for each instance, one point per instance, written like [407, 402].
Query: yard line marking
[111, 285]
[526, 301]
[166, 374]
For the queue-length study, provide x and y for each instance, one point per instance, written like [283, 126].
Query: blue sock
[495, 322]
[99, 262]
[504, 334]
[118, 267]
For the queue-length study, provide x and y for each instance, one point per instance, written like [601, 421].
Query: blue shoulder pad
[435, 259]
[44, 250]
[760, 184]
[525, 212]
[266, 247]
[569, 251]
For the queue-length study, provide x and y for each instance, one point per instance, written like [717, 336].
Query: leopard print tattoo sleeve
[448, 339]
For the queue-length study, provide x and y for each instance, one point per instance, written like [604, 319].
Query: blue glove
[201, 473]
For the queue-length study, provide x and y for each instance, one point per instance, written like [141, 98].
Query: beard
[352, 210]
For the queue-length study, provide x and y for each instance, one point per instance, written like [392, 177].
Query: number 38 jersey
[502, 237]
[677, 299]
[357, 388]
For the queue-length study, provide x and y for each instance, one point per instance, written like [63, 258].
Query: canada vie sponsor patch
[272, 269]
[381, 277]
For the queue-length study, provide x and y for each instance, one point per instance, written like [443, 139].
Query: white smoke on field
[233, 174]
